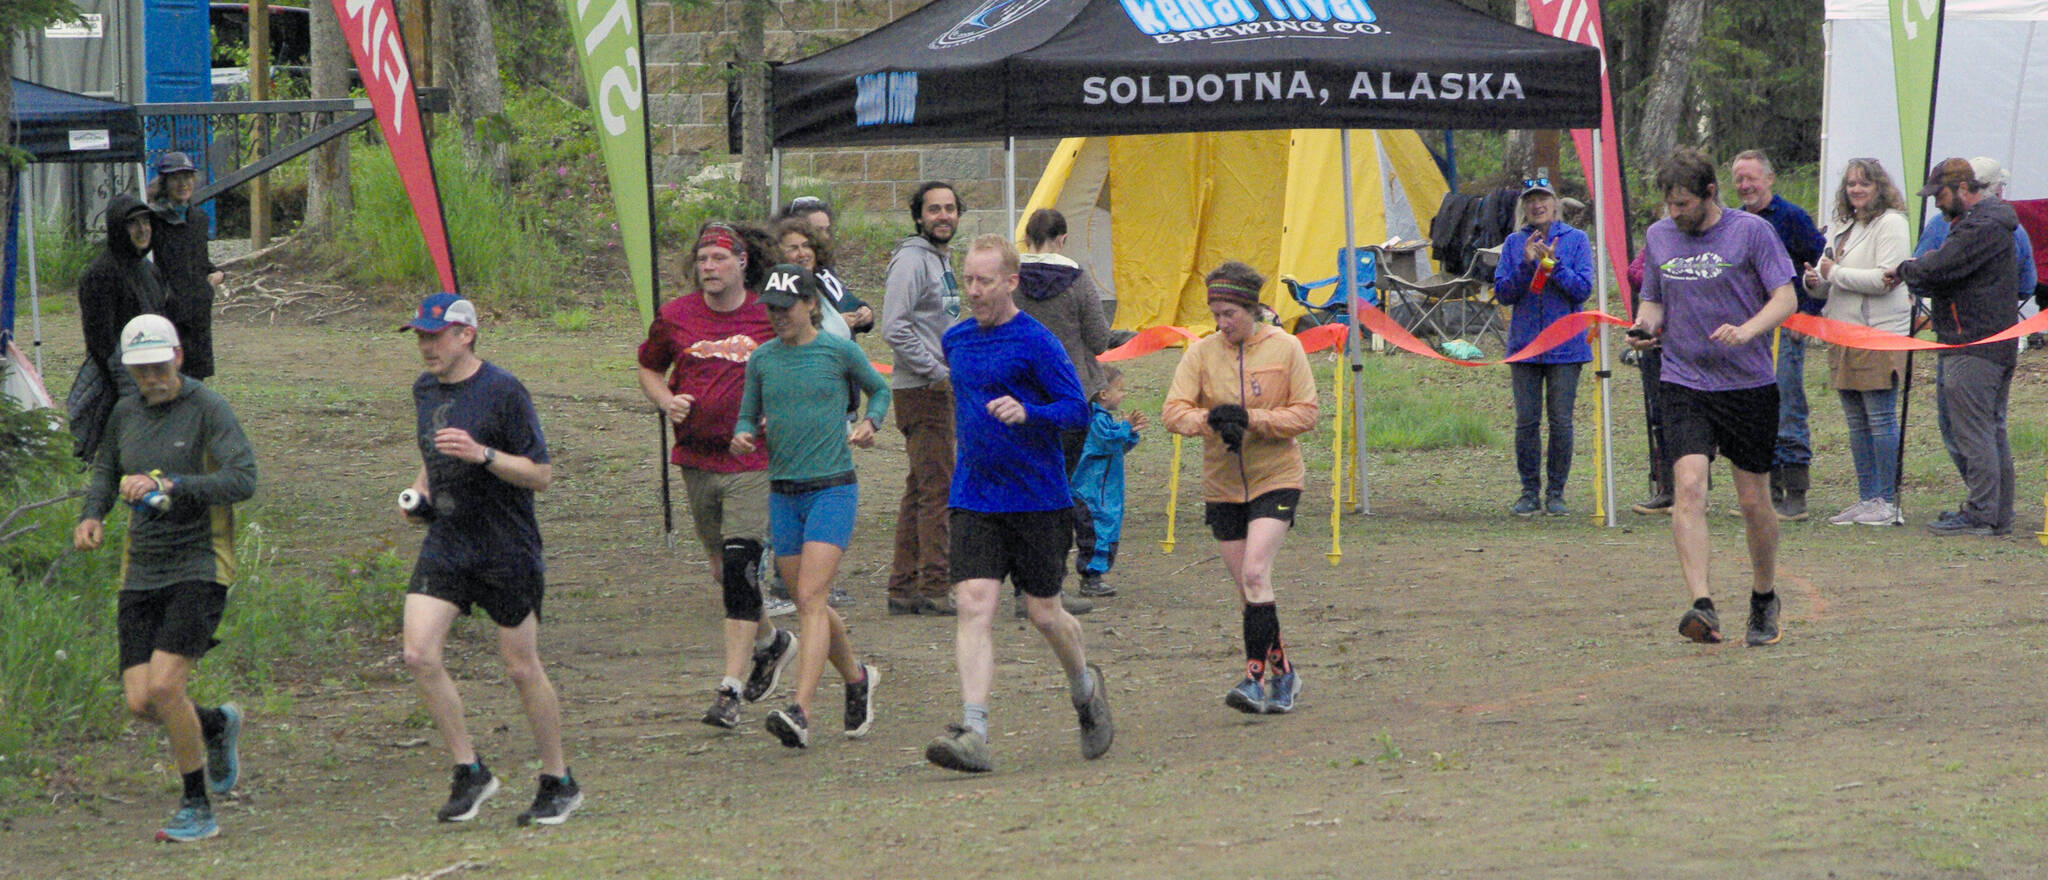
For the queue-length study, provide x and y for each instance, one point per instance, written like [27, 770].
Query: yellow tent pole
[1172, 494]
[1600, 449]
[2042, 536]
[1337, 481]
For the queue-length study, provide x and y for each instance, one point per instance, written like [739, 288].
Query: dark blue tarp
[54, 125]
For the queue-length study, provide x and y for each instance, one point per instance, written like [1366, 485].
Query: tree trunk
[329, 198]
[1518, 148]
[467, 54]
[752, 52]
[1664, 106]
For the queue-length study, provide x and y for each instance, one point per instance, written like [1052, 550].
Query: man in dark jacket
[179, 238]
[1969, 282]
[118, 285]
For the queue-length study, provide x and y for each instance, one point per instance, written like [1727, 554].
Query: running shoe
[1763, 621]
[1554, 506]
[223, 757]
[776, 606]
[1097, 730]
[769, 662]
[467, 793]
[1092, 587]
[1655, 505]
[1961, 525]
[1281, 691]
[1850, 514]
[790, 726]
[725, 709]
[193, 821]
[1248, 697]
[959, 748]
[557, 798]
[1881, 513]
[1527, 505]
[860, 702]
[1700, 625]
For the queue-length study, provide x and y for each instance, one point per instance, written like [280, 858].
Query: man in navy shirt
[1014, 390]
[1803, 243]
[482, 458]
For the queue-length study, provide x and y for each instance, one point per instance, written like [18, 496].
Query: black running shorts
[178, 619]
[1029, 548]
[1741, 424]
[1228, 521]
[506, 599]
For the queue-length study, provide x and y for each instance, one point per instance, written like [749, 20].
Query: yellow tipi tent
[1153, 213]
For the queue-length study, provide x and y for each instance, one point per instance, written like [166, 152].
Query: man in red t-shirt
[693, 367]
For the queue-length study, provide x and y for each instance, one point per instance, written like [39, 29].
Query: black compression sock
[1703, 603]
[212, 721]
[195, 785]
[1261, 631]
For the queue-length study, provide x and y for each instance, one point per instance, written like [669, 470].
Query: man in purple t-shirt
[1717, 282]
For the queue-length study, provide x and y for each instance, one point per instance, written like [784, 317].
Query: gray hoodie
[920, 300]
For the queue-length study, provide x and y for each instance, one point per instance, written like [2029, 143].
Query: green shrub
[61, 256]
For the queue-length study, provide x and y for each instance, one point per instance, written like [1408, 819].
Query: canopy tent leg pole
[1010, 182]
[1354, 351]
[1605, 373]
[35, 288]
[774, 180]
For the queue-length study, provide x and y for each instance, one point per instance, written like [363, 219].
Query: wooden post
[259, 90]
[416, 23]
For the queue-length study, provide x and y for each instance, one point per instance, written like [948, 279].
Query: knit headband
[719, 235]
[1233, 292]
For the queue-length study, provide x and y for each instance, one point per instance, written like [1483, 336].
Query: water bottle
[416, 504]
[153, 500]
[1542, 277]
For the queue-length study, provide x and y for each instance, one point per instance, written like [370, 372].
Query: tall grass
[61, 256]
[500, 250]
[1403, 411]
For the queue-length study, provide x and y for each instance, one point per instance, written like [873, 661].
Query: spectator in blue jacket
[1545, 273]
[1803, 242]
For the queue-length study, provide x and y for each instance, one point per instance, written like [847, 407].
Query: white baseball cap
[1988, 172]
[148, 339]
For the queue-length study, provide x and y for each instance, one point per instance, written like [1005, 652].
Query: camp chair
[1335, 308]
[1448, 306]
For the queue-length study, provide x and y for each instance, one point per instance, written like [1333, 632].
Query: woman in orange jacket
[1246, 390]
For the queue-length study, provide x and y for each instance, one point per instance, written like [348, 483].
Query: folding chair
[1336, 308]
[1448, 306]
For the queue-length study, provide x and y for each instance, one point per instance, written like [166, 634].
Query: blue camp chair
[1334, 308]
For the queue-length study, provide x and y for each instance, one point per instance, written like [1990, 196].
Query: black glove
[1229, 422]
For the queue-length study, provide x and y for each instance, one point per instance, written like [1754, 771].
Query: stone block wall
[687, 47]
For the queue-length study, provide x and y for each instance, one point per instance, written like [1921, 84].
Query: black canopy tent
[982, 69]
[976, 69]
[53, 125]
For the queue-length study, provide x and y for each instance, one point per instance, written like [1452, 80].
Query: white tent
[1991, 93]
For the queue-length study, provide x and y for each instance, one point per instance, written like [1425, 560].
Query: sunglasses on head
[1529, 182]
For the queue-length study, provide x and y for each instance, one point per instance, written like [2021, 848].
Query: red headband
[720, 236]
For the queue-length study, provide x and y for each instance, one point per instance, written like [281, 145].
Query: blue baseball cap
[439, 311]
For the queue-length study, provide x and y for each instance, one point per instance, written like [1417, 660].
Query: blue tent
[53, 125]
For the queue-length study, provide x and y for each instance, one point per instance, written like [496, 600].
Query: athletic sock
[212, 721]
[1759, 600]
[1079, 688]
[765, 638]
[195, 785]
[1703, 603]
[1276, 659]
[974, 716]
[1261, 636]
[729, 683]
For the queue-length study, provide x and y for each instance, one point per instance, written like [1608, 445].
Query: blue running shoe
[1280, 693]
[223, 758]
[1247, 697]
[193, 821]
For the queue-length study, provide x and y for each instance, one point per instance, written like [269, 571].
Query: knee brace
[742, 579]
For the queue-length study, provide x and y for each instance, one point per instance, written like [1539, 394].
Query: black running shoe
[725, 709]
[557, 798]
[1701, 625]
[768, 665]
[860, 703]
[1763, 621]
[790, 726]
[1097, 731]
[467, 793]
[959, 749]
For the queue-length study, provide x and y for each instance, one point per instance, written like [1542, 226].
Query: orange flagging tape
[1149, 340]
[1858, 336]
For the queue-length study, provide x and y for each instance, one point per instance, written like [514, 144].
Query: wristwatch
[490, 455]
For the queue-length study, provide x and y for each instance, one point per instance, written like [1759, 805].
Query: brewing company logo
[989, 17]
[1701, 267]
[1179, 21]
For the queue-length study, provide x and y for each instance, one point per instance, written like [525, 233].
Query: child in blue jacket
[1098, 483]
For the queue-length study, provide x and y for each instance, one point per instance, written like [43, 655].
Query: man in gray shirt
[921, 300]
[177, 455]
